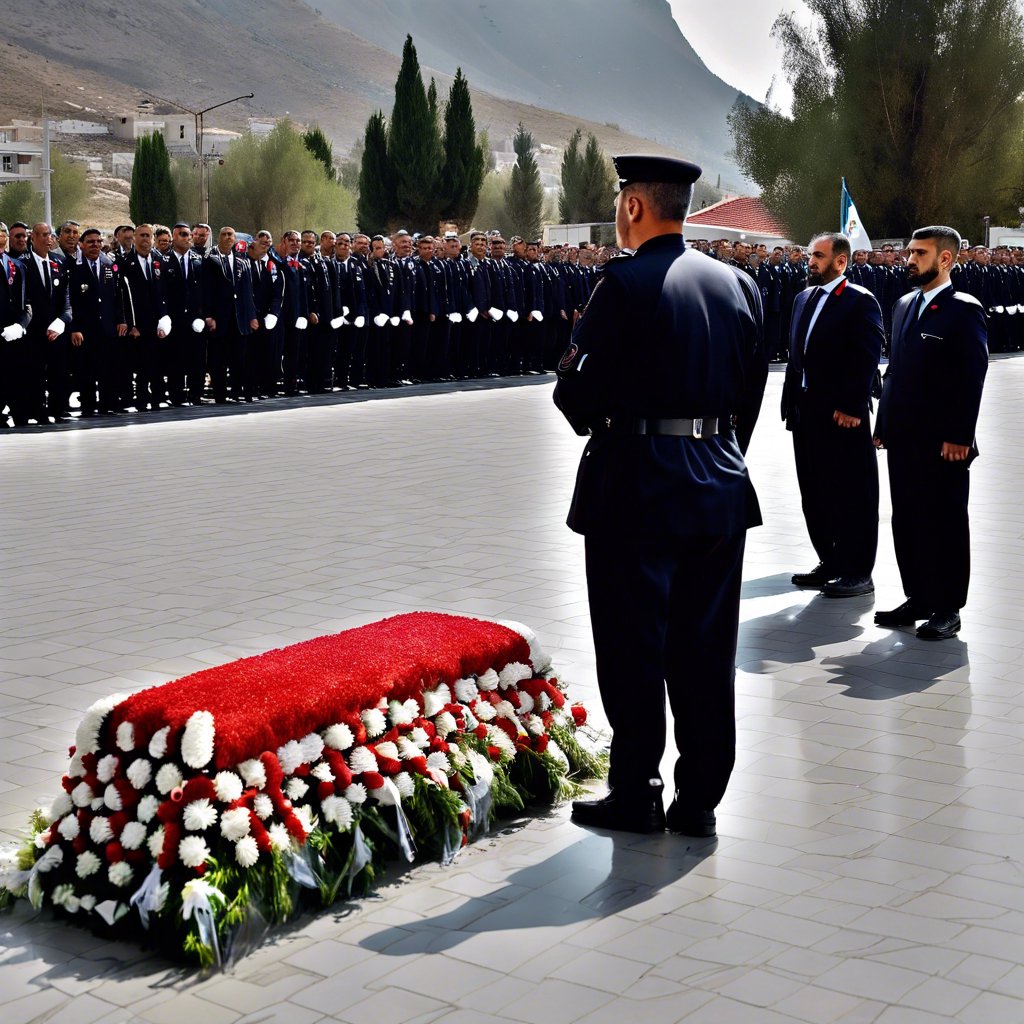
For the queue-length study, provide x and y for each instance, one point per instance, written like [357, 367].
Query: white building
[21, 152]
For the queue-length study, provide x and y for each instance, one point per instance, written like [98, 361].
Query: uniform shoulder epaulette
[966, 297]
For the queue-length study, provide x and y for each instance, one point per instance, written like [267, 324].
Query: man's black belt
[697, 427]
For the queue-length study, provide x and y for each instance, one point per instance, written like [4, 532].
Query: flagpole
[842, 204]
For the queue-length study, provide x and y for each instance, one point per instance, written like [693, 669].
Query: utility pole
[47, 197]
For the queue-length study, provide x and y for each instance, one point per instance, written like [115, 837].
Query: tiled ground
[869, 861]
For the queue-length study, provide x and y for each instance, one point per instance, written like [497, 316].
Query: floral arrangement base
[196, 814]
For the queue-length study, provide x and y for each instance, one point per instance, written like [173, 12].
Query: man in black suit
[663, 498]
[351, 362]
[834, 347]
[183, 288]
[263, 366]
[926, 422]
[14, 320]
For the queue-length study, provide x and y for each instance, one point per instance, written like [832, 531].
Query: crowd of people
[157, 317]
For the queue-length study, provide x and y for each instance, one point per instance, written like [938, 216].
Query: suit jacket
[380, 288]
[227, 297]
[841, 356]
[184, 292]
[267, 287]
[352, 285]
[13, 308]
[48, 304]
[97, 305]
[144, 301]
[295, 296]
[932, 389]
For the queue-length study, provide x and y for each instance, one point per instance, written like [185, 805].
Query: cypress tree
[161, 207]
[568, 196]
[464, 160]
[413, 146]
[597, 195]
[142, 180]
[318, 144]
[524, 195]
[376, 207]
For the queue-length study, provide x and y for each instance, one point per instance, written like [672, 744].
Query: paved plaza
[869, 860]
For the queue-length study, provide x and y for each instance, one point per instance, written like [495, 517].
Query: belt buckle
[698, 428]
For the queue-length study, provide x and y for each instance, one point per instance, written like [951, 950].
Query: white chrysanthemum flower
[254, 773]
[87, 902]
[543, 702]
[387, 749]
[312, 747]
[64, 896]
[541, 661]
[504, 709]
[228, 786]
[76, 769]
[512, 673]
[106, 767]
[456, 756]
[87, 736]
[290, 756]
[407, 749]
[374, 720]
[496, 738]
[534, 725]
[82, 795]
[246, 851]
[139, 772]
[87, 864]
[112, 798]
[466, 691]
[120, 874]
[526, 703]
[439, 762]
[484, 710]
[488, 681]
[483, 770]
[279, 836]
[558, 753]
[168, 778]
[405, 784]
[296, 789]
[263, 805]
[198, 739]
[306, 816]
[155, 843]
[235, 824]
[69, 827]
[126, 736]
[49, 860]
[100, 831]
[338, 811]
[361, 759]
[561, 718]
[445, 723]
[339, 737]
[133, 835]
[323, 772]
[403, 713]
[158, 743]
[193, 851]
[356, 793]
[419, 736]
[199, 815]
[147, 809]
[61, 806]
[97, 805]
[435, 700]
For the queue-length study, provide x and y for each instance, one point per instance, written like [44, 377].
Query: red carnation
[417, 764]
[513, 698]
[259, 833]
[302, 770]
[372, 780]
[507, 728]
[67, 783]
[114, 852]
[80, 843]
[438, 744]
[71, 750]
[540, 744]
[480, 731]
[342, 772]
[136, 856]
[388, 765]
[494, 753]
[324, 790]
[579, 714]
[89, 762]
[117, 822]
[169, 854]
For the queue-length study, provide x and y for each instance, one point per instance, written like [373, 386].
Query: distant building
[739, 218]
[131, 128]
[21, 152]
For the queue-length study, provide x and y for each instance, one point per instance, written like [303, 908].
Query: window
[8, 165]
[181, 131]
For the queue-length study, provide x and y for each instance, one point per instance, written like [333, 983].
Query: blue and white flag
[850, 223]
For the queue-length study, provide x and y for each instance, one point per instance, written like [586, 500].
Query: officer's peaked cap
[635, 168]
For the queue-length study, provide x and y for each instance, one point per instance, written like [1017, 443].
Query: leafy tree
[377, 206]
[69, 194]
[413, 146]
[588, 183]
[19, 200]
[462, 170]
[572, 171]
[142, 180]
[917, 102]
[318, 144]
[524, 194]
[349, 168]
[160, 206]
[491, 211]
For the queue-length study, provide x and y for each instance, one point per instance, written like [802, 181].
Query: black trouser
[25, 386]
[438, 349]
[357, 375]
[837, 470]
[930, 526]
[665, 614]
[144, 359]
[92, 372]
[294, 358]
[378, 356]
[227, 357]
[322, 342]
[195, 365]
[402, 344]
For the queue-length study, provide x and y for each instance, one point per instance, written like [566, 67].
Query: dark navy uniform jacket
[13, 308]
[668, 333]
[183, 290]
[227, 296]
[933, 385]
[97, 304]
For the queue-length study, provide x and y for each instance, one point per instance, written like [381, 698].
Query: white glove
[13, 333]
[472, 315]
[407, 316]
[496, 314]
[998, 309]
[456, 318]
[270, 321]
[360, 321]
[380, 319]
[513, 315]
[1010, 310]
[58, 326]
[537, 315]
[301, 324]
[344, 310]
[164, 324]
[198, 325]
[394, 321]
[337, 322]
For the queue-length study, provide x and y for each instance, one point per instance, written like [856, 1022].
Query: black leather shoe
[688, 821]
[849, 586]
[905, 614]
[817, 577]
[623, 811]
[941, 626]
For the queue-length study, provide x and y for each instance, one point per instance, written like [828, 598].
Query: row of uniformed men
[140, 328]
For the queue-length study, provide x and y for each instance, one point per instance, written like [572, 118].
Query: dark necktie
[805, 320]
[95, 269]
[46, 277]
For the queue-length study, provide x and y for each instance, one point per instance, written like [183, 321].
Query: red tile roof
[744, 213]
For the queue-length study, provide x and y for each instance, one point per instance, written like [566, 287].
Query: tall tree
[413, 145]
[377, 206]
[464, 160]
[161, 206]
[524, 195]
[319, 145]
[568, 194]
[142, 180]
[916, 102]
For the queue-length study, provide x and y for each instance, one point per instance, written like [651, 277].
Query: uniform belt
[699, 427]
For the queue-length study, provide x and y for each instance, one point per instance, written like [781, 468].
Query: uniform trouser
[343, 356]
[294, 358]
[773, 342]
[665, 614]
[437, 349]
[930, 526]
[837, 471]
[498, 349]
[357, 376]
[91, 372]
[227, 351]
[25, 385]
[533, 345]
[402, 346]
[273, 355]
[469, 363]
[195, 365]
[322, 342]
[378, 356]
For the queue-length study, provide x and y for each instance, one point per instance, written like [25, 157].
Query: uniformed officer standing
[15, 316]
[663, 497]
